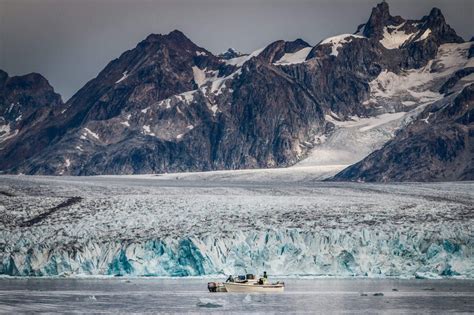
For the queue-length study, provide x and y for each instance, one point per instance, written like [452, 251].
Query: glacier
[407, 253]
[199, 225]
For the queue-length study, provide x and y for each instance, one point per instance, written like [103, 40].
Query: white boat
[254, 287]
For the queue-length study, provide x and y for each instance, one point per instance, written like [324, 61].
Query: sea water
[188, 295]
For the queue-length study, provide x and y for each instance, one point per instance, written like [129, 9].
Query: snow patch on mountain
[67, 163]
[187, 97]
[293, 58]
[338, 41]
[147, 130]
[126, 122]
[124, 76]
[424, 36]
[87, 132]
[421, 85]
[199, 76]
[5, 132]
[467, 79]
[209, 82]
[239, 61]
[394, 37]
[427, 119]
[389, 84]
[218, 85]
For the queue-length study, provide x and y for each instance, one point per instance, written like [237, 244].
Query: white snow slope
[163, 226]
[296, 57]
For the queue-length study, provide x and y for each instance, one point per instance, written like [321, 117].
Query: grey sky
[70, 41]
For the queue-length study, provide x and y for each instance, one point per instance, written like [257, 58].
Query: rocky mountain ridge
[169, 105]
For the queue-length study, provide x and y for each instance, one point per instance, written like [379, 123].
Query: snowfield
[222, 222]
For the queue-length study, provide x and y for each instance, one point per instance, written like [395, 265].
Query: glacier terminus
[215, 223]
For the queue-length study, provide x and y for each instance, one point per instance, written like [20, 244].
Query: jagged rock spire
[379, 17]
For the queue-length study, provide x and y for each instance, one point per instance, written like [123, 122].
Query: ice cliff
[148, 228]
[364, 252]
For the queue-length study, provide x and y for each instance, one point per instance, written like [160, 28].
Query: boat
[254, 287]
[246, 283]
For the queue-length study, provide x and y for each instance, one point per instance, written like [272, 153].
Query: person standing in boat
[263, 279]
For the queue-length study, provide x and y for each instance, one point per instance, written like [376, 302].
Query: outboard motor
[212, 286]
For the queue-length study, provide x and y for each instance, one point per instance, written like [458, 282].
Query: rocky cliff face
[24, 99]
[169, 105]
[26, 103]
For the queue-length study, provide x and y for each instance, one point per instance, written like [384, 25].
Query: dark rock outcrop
[454, 79]
[380, 18]
[230, 53]
[441, 32]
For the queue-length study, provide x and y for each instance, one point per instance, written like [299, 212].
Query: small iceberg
[247, 299]
[210, 303]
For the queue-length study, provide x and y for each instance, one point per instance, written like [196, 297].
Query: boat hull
[267, 288]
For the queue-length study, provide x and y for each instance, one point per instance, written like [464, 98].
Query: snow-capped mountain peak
[269, 108]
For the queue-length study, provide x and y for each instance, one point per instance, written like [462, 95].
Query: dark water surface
[141, 295]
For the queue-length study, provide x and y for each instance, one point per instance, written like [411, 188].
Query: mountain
[169, 105]
[230, 54]
[439, 146]
[26, 103]
[436, 141]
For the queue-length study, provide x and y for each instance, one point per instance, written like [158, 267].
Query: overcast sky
[70, 41]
